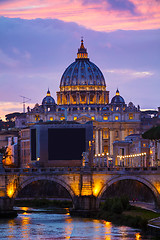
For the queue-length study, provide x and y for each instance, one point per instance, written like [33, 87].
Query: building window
[144, 145]
[62, 118]
[122, 151]
[130, 116]
[105, 118]
[51, 119]
[116, 134]
[116, 118]
[93, 134]
[37, 118]
[105, 134]
[130, 131]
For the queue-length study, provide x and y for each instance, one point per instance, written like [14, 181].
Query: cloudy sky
[39, 39]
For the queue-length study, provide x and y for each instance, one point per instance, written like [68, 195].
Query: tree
[12, 116]
[154, 135]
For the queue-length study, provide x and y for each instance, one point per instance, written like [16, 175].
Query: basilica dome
[48, 100]
[82, 82]
[117, 99]
[82, 72]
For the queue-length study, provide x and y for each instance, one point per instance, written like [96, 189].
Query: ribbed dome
[117, 99]
[48, 100]
[82, 71]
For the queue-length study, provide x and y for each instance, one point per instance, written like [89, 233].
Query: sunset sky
[39, 39]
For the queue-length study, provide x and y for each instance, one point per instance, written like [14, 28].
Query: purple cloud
[121, 5]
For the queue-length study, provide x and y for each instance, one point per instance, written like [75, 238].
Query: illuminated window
[144, 145]
[51, 119]
[105, 134]
[62, 118]
[94, 134]
[130, 116]
[75, 118]
[105, 118]
[92, 117]
[116, 117]
[37, 118]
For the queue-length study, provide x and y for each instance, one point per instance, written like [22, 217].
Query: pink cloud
[9, 107]
[99, 15]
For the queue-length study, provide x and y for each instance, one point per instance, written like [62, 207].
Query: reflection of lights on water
[25, 221]
[25, 226]
[67, 209]
[108, 226]
[25, 210]
[10, 230]
[68, 228]
[138, 236]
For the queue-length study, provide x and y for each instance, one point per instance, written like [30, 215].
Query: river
[33, 224]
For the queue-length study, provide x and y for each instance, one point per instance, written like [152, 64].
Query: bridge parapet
[67, 170]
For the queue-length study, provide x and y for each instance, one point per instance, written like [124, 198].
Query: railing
[66, 170]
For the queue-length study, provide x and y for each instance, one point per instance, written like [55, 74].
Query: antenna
[25, 99]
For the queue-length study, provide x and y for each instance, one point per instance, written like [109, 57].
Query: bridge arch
[31, 179]
[153, 189]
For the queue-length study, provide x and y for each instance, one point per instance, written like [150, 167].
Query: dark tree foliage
[11, 116]
[152, 134]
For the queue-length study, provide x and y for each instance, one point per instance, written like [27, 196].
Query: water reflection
[45, 225]
[108, 227]
[25, 226]
[10, 228]
[138, 236]
[68, 227]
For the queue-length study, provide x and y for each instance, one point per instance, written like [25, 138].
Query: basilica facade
[83, 97]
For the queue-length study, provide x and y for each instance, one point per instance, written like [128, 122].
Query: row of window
[105, 118]
[105, 133]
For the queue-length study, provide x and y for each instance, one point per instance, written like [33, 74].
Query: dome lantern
[48, 93]
[82, 51]
[117, 92]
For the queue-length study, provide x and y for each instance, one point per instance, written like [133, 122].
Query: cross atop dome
[82, 51]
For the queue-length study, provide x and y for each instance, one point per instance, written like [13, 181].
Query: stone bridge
[85, 185]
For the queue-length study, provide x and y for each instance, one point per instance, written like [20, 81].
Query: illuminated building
[83, 97]
[134, 151]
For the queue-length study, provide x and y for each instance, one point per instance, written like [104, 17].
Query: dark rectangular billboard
[66, 143]
[33, 144]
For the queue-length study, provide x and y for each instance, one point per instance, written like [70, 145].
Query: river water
[48, 225]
